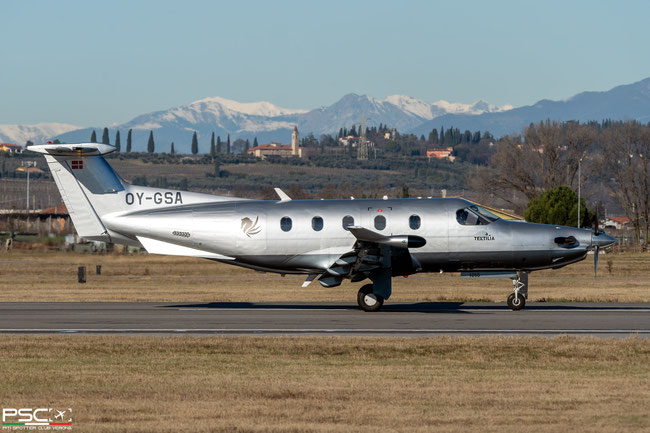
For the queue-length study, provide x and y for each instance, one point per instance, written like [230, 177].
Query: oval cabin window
[414, 222]
[317, 223]
[348, 221]
[380, 222]
[285, 224]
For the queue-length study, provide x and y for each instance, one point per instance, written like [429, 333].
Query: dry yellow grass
[332, 384]
[39, 276]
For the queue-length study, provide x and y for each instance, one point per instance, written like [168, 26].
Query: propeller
[596, 233]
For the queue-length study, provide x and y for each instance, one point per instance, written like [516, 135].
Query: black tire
[517, 303]
[365, 302]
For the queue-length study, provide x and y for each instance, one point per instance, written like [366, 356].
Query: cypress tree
[228, 144]
[150, 144]
[118, 145]
[172, 151]
[212, 148]
[128, 141]
[195, 144]
[219, 150]
[105, 139]
[255, 142]
[93, 137]
[247, 146]
[442, 135]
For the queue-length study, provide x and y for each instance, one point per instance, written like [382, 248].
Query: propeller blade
[596, 261]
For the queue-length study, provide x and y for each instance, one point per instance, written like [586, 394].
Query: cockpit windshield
[474, 216]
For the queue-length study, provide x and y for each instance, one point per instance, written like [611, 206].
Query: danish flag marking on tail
[77, 165]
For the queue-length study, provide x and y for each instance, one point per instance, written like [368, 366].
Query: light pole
[27, 165]
[579, 162]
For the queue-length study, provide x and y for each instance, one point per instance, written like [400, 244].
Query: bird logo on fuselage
[249, 227]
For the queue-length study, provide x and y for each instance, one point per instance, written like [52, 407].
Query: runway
[224, 318]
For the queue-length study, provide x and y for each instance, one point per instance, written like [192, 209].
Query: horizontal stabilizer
[83, 149]
[154, 246]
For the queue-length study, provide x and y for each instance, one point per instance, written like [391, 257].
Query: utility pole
[579, 161]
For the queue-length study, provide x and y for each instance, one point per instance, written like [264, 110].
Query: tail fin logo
[77, 165]
[249, 227]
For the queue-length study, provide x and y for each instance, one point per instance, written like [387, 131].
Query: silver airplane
[327, 240]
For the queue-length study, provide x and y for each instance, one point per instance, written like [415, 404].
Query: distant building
[350, 140]
[278, 150]
[445, 153]
[616, 223]
[11, 148]
[30, 170]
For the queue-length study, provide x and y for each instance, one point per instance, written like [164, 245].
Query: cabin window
[317, 223]
[380, 222]
[474, 216]
[348, 221]
[414, 222]
[285, 224]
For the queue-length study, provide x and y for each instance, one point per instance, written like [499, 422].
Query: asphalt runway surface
[236, 318]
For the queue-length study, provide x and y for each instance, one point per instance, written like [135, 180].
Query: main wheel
[367, 300]
[516, 303]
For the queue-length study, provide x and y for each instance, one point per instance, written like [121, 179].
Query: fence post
[81, 274]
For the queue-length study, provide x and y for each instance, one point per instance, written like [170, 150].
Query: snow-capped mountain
[432, 110]
[269, 122]
[626, 102]
[38, 133]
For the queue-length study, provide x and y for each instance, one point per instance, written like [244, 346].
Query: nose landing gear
[517, 300]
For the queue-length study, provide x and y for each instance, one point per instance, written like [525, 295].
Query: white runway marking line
[330, 330]
[468, 309]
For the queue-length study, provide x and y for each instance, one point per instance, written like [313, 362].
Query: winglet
[283, 195]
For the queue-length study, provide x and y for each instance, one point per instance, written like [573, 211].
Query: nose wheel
[369, 301]
[517, 300]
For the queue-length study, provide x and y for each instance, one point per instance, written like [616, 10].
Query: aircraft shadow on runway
[417, 307]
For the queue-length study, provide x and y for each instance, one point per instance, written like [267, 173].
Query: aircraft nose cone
[602, 240]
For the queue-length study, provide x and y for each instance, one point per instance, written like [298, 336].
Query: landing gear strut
[369, 301]
[517, 300]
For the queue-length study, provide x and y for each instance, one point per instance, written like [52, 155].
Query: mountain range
[269, 122]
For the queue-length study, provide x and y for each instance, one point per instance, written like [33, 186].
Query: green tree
[213, 150]
[93, 137]
[105, 139]
[255, 142]
[195, 144]
[172, 151]
[150, 143]
[228, 144]
[247, 146]
[558, 206]
[128, 141]
[118, 144]
[219, 149]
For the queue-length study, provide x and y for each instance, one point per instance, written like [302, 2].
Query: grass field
[40, 276]
[332, 384]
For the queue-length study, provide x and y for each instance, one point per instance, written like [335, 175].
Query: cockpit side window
[473, 216]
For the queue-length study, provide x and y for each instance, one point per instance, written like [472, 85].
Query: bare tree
[545, 156]
[626, 160]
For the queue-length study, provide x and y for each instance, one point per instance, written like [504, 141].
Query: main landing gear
[369, 301]
[517, 300]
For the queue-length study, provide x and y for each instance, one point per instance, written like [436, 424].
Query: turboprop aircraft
[327, 240]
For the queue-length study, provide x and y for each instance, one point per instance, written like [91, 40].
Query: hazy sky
[95, 63]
